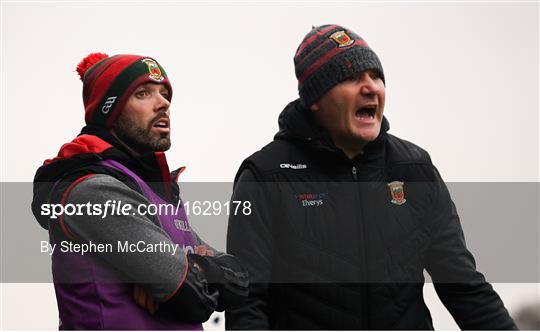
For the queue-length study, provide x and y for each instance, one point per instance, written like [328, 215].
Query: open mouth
[161, 123]
[366, 112]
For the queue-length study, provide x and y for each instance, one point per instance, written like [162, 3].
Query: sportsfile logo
[312, 199]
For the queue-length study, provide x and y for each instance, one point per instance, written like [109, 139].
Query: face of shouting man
[352, 111]
[144, 123]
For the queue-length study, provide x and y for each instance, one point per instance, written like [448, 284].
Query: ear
[314, 107]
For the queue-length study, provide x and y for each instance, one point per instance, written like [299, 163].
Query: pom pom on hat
[90, 60]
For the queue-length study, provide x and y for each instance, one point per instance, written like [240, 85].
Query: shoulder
[101, 188]
[403, 151]
[93, 182]
[273, 157]
[407, 160]
[277, 149]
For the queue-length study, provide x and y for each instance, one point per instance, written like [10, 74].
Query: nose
[162, 104]
[369, 86]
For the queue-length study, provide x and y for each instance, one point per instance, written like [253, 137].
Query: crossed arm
[191, 286]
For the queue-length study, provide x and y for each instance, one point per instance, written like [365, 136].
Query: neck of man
[133, 150]
[351, 151]
[350, 148]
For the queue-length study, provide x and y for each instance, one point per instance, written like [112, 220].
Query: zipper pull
[354, 173]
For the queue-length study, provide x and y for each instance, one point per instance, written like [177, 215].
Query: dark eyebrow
[144, 85]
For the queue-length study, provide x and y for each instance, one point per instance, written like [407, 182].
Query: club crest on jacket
[397, 192]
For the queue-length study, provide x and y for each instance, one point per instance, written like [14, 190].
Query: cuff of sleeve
[211, 270]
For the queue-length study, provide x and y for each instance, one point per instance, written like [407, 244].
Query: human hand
[203, 251]
[144, 300]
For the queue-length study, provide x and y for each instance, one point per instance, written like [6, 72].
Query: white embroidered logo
[297, 166]
[181, 225]
[108, 104]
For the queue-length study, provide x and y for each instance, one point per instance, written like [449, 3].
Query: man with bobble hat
[169, 278]
[347, 216]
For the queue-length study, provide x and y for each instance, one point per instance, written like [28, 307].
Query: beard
[139, 138]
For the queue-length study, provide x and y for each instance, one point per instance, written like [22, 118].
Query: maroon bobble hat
[328, 55]
[109, 81]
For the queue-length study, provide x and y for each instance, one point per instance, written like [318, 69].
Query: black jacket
[328, 245]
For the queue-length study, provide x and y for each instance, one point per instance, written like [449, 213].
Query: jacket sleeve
[171, 278]
[225, 274]
[249, 238]
[463, 290]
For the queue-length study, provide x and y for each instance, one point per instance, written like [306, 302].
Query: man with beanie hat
[346, 216]
[115, 265]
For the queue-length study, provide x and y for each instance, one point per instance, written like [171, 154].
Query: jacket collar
[296, 123]
[150, 166]
[94, 144]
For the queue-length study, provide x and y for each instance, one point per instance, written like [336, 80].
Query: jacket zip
[363, 284]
